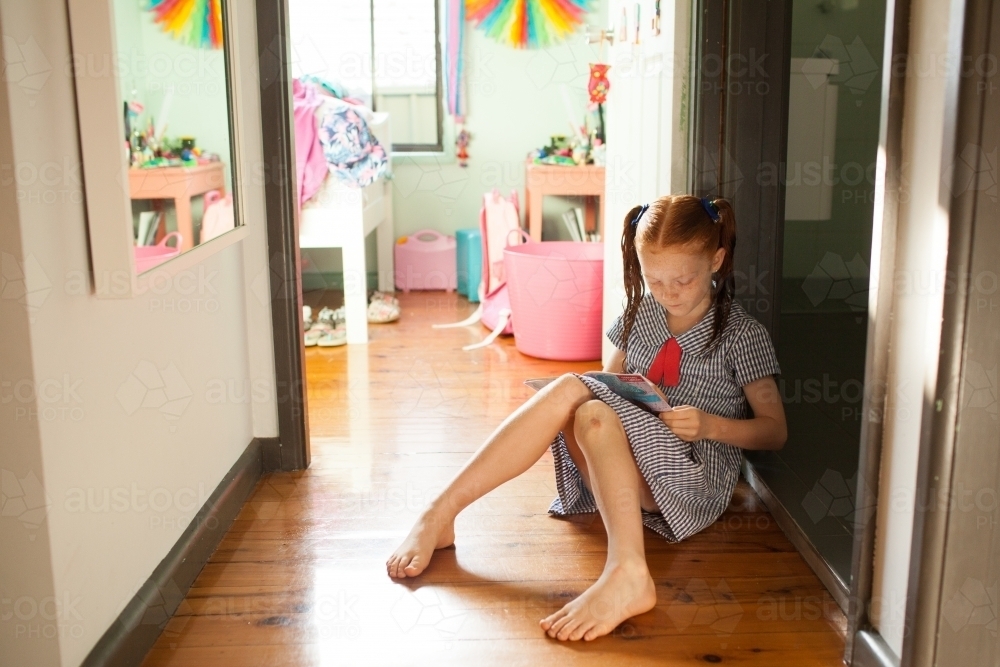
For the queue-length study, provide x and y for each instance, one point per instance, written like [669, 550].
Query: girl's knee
[594, 415]
[569, 390]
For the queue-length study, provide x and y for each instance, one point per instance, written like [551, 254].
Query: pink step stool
[425, 260]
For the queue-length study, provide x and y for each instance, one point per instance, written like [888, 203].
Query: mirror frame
[105, 168]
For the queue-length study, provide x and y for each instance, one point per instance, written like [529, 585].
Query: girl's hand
[688, 423]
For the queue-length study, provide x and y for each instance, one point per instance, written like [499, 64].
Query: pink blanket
[310, 164]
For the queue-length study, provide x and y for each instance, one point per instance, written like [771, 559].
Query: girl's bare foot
[623, 591]
[414, 554]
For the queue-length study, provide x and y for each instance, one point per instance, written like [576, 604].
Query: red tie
[666, 368]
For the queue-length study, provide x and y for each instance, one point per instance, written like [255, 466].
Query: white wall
[647, 129]
[71, 411]
[919, 280]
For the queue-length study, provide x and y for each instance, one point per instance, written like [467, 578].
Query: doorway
[788, 129]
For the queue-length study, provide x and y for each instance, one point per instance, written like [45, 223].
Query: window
[386, 53]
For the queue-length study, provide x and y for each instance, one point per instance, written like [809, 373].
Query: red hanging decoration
[598, 84]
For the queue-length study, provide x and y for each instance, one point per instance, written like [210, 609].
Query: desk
[546, 179]
[179, 184]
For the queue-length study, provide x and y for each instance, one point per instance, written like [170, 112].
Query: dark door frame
[280, 195]
[733, 133]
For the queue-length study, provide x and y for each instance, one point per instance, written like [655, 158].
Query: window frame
[409, 148]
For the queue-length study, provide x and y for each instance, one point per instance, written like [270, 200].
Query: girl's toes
[579, 632]
[550, 620]
[567, 630]
[558, 625]
[413, 568]
[591, 635]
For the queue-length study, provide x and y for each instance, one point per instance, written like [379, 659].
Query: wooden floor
[300, 578]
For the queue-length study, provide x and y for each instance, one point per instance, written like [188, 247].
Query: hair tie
[638, 216]
[710, 208]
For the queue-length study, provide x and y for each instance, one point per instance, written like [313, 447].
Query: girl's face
[679, 277]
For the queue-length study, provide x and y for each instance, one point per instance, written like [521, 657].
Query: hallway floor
[300, 578]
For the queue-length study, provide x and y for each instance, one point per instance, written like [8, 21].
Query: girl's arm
[767, 429]
[616, 364]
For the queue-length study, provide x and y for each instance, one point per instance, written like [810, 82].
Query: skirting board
[798, 539]
[870, 650]
[140, 623]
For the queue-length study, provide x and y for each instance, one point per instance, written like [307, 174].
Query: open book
[630, 386]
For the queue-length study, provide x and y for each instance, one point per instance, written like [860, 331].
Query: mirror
[174, 99]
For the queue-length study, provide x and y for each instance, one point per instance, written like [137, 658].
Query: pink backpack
[498, 218]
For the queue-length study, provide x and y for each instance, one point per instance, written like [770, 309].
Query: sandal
[333, 338]
[383, 308]
[321, 329]
[333, 325]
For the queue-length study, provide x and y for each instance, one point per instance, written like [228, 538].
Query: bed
[339, 216]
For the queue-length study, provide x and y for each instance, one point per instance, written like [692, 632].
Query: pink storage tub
[150, 256]
[425, 260]
[556, 298]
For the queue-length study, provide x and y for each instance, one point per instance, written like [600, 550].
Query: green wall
[853, 36]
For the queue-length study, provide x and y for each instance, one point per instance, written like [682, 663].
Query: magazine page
[630, 386]
[635, 388]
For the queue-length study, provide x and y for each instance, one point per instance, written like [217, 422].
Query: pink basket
[150, 256]
[556, 298]
[425, 260]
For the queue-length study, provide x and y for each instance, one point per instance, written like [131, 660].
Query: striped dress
[692, 482]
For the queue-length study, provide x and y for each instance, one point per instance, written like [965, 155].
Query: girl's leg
[625, 588]
[515, 446]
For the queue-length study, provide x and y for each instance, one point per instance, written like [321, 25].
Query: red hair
[680, 220]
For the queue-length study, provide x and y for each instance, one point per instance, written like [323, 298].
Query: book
[146, 219]
[581, 224]
[569, 220]
[633, 387]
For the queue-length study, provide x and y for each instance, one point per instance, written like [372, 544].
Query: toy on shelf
[196, 23]
[598, 84]
[527, 24]
[462, 147]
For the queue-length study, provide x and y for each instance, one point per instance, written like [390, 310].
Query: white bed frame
[342, 217]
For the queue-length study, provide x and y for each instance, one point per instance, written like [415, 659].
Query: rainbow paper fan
[197, 23]
[527, 24]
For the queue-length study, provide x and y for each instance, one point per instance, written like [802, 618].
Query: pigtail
[725, 283]
[635, 286]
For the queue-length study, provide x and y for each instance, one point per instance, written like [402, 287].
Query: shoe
[333, 338]
[333, 323]
[383, 308]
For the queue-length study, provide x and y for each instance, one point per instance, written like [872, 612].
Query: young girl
[673, 473]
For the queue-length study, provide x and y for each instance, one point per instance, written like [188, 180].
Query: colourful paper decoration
[197, 23]
[598, 84]
[527, 24]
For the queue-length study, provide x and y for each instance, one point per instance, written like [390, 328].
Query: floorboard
[299, 579]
